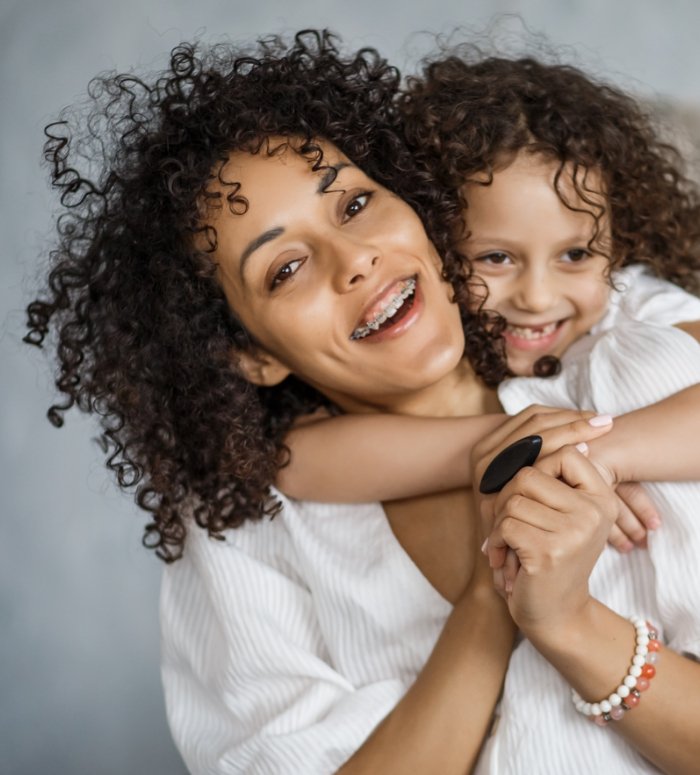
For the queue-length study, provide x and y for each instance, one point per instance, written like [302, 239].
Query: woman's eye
[357, 204]
[494, 259]
[575, 255]
[285, 271]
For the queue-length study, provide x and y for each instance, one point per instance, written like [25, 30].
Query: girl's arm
[380, 457]
[660, 442]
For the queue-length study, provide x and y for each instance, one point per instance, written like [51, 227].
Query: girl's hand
[637, 516]
[556, 516]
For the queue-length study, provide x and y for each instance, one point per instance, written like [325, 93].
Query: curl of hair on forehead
[142, 333]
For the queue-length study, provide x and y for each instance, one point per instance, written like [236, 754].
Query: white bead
[638, 660]
[605, 706]
[595, 709]
[641, 650]
[630, 681]
[614, 699]
[587, 709]
[642, 640]
[635, 671]
[624, 689]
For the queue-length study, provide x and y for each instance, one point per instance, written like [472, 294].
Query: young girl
[571, 206]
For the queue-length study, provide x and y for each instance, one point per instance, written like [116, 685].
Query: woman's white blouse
[284, 645]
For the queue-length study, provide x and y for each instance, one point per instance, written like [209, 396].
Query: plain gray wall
[79, 682]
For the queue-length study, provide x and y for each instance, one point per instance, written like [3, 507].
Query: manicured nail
[508, 586]
[600, 420]
[582, 448]
[654, 523]
[484, 547]
[627, 547]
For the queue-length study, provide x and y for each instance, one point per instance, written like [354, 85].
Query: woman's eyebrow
[256, 243]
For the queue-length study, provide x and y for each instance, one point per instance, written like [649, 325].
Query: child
[536, 153]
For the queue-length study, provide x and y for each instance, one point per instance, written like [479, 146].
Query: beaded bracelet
[628, 693]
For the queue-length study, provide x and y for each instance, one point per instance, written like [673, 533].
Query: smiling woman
[232, 267]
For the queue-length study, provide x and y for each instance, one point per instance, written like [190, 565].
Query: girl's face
[337, 281]
[532, 252]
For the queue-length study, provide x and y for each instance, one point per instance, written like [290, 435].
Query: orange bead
[642, 684]
[653, 645]
[632, 700]
[648, 671]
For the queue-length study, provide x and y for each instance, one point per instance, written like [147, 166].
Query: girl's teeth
[524, 332]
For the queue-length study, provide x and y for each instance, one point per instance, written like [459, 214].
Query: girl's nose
[535, 292]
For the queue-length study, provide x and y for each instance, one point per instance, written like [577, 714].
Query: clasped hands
[547, 527]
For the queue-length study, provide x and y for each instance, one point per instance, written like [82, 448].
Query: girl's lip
[406, 321]
[541, 343]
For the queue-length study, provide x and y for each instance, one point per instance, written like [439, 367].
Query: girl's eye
[575, 255]
[285, 271]
[357, 204]
[495, 259]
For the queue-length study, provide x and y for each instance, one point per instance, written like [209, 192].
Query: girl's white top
[285, 645]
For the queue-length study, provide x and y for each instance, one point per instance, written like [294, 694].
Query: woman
[183, 323]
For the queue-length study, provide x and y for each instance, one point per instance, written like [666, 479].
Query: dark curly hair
[142, 330]
[469, 114]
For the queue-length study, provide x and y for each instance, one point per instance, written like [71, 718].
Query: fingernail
[582, 448]
[600, 420]
[654, 523]
[508, 586]
[627, 547]
[484, 547]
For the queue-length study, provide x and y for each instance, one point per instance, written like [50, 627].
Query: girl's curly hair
[469, 114]
[142, 330]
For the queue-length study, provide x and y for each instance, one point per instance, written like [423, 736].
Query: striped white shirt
[286, 644]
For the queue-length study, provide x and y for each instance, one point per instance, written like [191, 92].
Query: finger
[512, 427]
[534, 511]
[619, 540]
[574, 469]
[510, 570]
[499, 581]
[640, 504]
[629, 525]
[557, 429]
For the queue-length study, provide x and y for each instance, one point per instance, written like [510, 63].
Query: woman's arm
[558, 528]
[253, 681]
[442, 720]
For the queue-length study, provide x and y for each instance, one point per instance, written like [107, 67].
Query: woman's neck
[460, 393]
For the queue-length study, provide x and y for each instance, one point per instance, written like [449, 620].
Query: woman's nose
[353, 261]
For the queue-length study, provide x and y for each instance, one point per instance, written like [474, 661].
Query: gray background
[79, 682]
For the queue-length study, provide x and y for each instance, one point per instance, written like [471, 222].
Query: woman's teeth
[528, 332]
[393, 306]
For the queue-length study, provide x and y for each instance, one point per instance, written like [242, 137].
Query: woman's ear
[260, 367]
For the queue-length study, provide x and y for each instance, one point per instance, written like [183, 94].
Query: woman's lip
[402, 325]
[382, 299]
[542, 343]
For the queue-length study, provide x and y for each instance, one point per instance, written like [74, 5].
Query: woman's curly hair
[469, 114]
[142, 330]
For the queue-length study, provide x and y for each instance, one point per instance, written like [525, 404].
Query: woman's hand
[556, 517]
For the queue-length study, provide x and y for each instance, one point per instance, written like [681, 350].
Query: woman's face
[336, 281]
